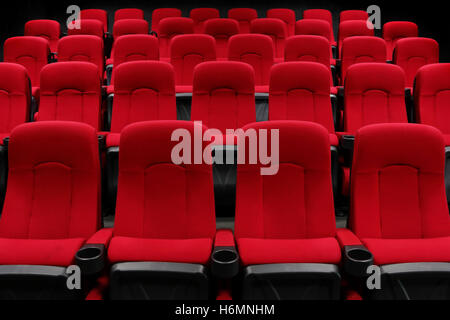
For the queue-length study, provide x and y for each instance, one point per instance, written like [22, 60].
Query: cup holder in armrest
[347, 142]
[91, 259]
[356, 260]
[225, 262]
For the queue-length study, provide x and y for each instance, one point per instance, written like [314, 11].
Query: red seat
[301, 91]
[221, 29]
[348, 15]
[200, 15]
[274, 28]
[321, 14]
[143, 91]
[244, 17]
[125, 27]
[288, 17]
[32, 53]
[413, 53]
[361, 49]
[96, 14]
[186, 52]
[161, 13]
[88, 27]
[257, 51]
[82, 48]
[75, 98]
[128, 13]
[15, 97]
[314, 27]
[395, 30]
[281, 224]
[169, 28]
[156, 180]
[47, 29]
[225, 102]
[399, 208]
[353, 28]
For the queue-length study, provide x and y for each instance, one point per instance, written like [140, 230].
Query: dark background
[431, 16]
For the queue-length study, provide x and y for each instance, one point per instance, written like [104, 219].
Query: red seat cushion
[266, 251]
[389, 251]
[167, 250]
[54, 252]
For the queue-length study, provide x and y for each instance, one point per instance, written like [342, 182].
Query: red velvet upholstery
[91, 27]
[244, 17]
[128, 13]
[346, 15]
[314, 27]
[257, 51]
[399, 208]
[373, 93]
[86, 48]
[288, 17]
[225, 102]
[431, 97]
[274, 28]
[320, 14]
[53, 195]
[221, 29]
[161, 13]
[200, 15]
[309, 48]
[187, 51]
[30, 52]
[353, 28]
[97, 14]
[74, 98]
[47, 29]
[147, 183]
[301, 91]
[280, 218]
[171, 27]
[15, 97]
[413, 53]
[129, 26]
[396, 30]
[361, 49]
[143, 91]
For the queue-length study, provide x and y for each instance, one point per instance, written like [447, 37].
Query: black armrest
[347, 142]
[334, 75]
[334, 51]
[101, 143]
[91, 259]
[356, 260]
[224, 262]
[109, 110]
[108, 69]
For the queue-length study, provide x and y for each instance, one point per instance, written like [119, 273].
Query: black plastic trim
[91, 259]
[356, 260]
[224, 262]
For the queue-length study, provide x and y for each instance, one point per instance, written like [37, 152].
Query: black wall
[431, 16]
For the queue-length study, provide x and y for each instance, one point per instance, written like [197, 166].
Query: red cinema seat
[396, 30]
[225, 102]
[413, 53]
[274, 28]
[128, 13]
[244, 17]
[32, 53]
[353, 28]
[257, 51]
[221, 29]
[347, 15]
[285, 232]
[96, 14]
[288, 17]
[51, 211]
[200, 15]
[82, 48]
[125, 27]
[88, 27]
[186, 52]
[399, 210]
[161, 13]
[157, 258]
[75, 98]
[321, 14]
[169, 28]
[47, 29]
[361, 49]
[314, 27]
